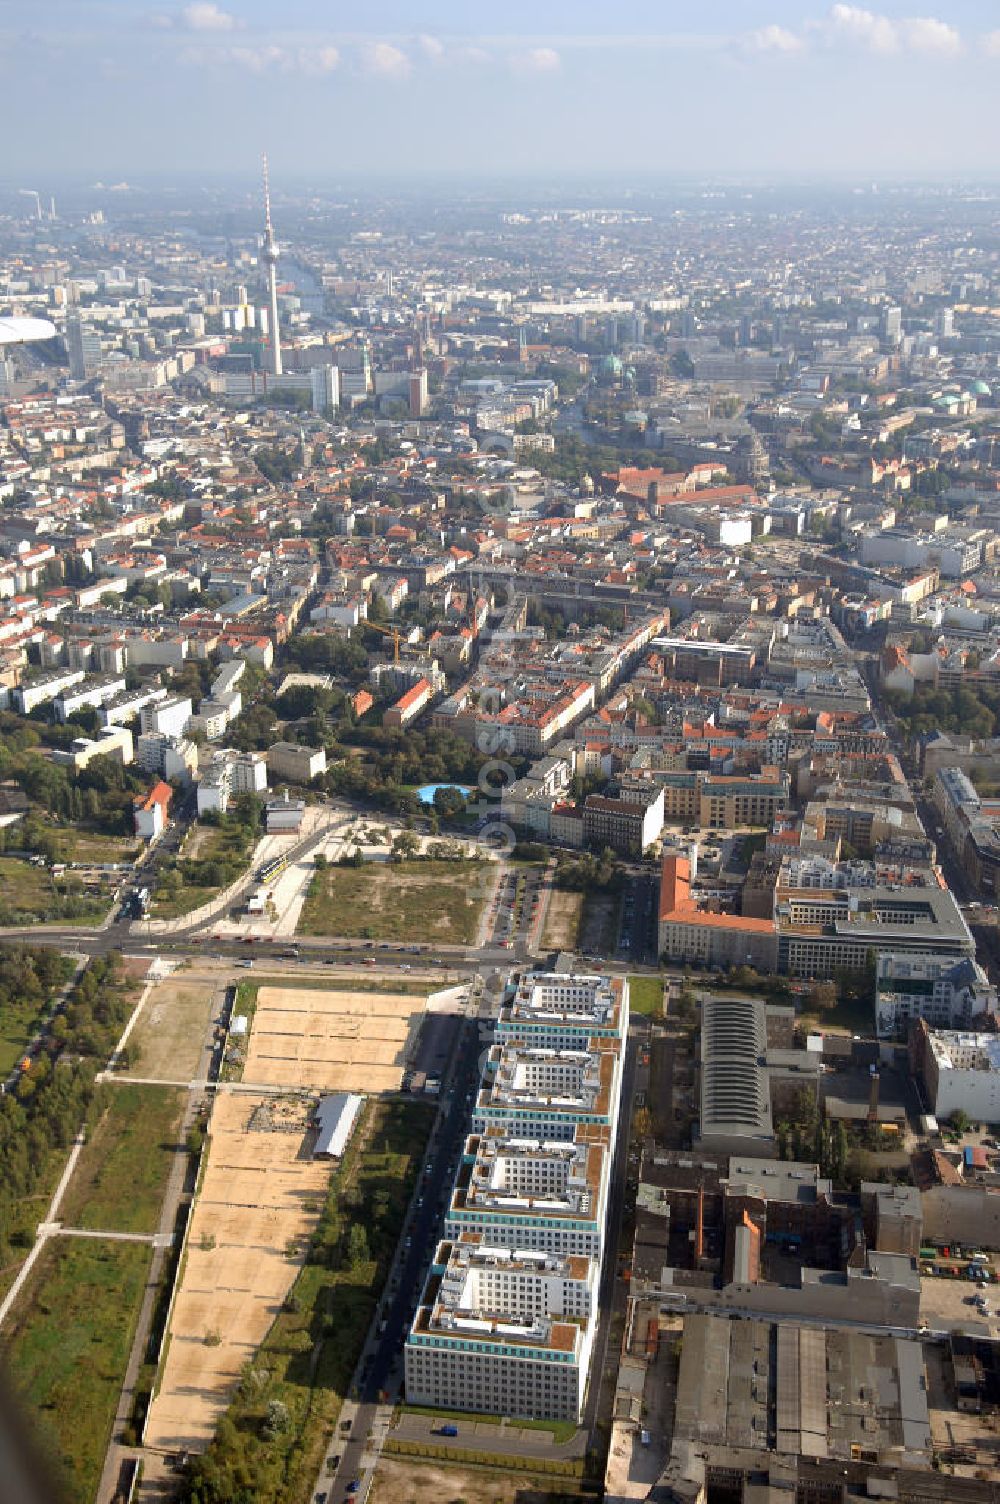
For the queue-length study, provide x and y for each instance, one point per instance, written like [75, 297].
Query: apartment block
[168, 756]
[169, 716]
[229, 774]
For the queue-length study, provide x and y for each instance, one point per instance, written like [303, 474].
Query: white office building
[550, 1197]
[550, 1010]
[545, 1094]
[503, 1331]
[507, 1320]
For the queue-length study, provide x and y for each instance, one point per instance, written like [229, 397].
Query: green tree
[357, 1246]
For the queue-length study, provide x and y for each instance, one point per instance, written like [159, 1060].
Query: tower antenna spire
[267, 194]
[269, 252]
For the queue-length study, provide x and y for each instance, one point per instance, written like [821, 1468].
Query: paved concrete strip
[133, 1017]
[113, 1237]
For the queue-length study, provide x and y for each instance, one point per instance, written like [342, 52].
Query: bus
[272, 869]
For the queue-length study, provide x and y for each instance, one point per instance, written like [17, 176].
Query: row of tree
[51, 1100]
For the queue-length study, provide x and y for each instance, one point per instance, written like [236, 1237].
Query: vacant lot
[331, 1041]
[121, 1175]
[599, 923]
[646, 995]
[259, 1201]
[397, 901]
[562, 921]
[311, 1350]
[169, 1037]
[28, 893]
[67, 1347]
[404, 1481]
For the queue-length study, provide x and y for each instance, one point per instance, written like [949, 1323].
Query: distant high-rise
[944, 323]
[84, 349]
[892, 324]
[269, 251]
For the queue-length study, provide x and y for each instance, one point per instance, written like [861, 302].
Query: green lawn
[29, 893]
[67, 1348]
[413, 900]
[561, 1431]
[121, 1175]
[308, 1356]
[646, 995]
[17, 1024]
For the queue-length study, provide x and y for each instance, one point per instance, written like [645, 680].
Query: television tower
[269, 251]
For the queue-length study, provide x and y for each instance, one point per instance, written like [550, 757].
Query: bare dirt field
[259, 1201]
[562, 921]
[331, 1041]
[169, 1035]
[405, 1481]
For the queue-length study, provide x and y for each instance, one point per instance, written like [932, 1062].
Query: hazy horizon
[735, 88]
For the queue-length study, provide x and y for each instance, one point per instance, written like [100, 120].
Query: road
[613, 1292]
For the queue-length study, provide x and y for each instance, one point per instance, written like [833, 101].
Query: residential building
[169, 716]
[959, 1072]
[292, 763]
[151, 811]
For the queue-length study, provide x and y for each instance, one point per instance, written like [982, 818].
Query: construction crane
[397, 638]
[33, 193]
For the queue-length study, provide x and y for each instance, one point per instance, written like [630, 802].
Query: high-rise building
[944, 323]
[891, 327]
[269, 252]
[84, 348]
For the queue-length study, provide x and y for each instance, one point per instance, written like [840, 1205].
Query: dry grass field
[331, 1041]
[562, 920]
[169, 1035]
[259, 1201]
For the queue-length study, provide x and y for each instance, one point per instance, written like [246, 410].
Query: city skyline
[761, 87]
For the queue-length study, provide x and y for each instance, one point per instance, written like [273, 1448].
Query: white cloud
[386, 60]
[991, 44]
[850, 23]
[312, 62]
[855, 26]
[204, 15]
[431, 47]
[318, 60]
[257, 59]
[774, 39]
[926, 34]
[536, 60]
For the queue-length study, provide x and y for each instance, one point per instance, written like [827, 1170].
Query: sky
[111, 89]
